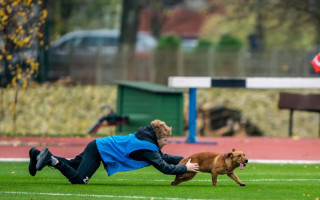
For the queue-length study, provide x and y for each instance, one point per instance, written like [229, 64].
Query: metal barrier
[250, 83]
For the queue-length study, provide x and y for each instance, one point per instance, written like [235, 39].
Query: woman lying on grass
[117, 153]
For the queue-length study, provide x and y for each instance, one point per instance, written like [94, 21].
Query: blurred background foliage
[54, 110]
[281, 24]
[57, 110]
[286, 24]
[28, 28]
[229, 43]
[204, 45]
[67, 16]
[21, 35]
[169, 42]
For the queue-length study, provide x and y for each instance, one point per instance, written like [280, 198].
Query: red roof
[186, 23]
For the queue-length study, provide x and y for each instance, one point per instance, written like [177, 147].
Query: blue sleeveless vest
[115, 151]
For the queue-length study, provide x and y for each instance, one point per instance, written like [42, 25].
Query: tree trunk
[129, 25]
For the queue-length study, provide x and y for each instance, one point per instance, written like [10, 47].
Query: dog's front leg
[214, 176]
[236, 179]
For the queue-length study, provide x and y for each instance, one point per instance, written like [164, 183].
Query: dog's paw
[242, 184]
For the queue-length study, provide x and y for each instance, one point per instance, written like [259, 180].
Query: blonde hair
[161, 129]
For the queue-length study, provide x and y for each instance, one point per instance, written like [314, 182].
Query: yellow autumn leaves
[17, 2]
[20, 24]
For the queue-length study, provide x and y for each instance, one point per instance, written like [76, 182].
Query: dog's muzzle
[246, 161]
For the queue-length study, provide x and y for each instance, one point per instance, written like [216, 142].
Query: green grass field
[264, 181]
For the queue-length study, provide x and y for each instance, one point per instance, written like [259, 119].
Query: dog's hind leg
[182, 178]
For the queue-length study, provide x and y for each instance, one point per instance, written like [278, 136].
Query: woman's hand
[192, 167]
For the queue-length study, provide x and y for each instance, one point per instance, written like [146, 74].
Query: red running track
[265, 148]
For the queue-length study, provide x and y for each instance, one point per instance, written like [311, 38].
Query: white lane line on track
[263, 161]
[266, 161]
[94, 195]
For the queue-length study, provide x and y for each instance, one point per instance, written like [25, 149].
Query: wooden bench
[291, 101]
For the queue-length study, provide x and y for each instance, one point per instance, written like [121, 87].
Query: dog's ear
[228, 155]
[233, 150]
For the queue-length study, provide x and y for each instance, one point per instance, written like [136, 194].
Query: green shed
[143, 102]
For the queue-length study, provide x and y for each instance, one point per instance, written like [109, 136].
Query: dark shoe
[33, 153]
[43, 159]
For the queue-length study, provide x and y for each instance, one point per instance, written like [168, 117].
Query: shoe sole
[41, 162]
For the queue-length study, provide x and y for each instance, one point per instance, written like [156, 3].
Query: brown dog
[215, 164]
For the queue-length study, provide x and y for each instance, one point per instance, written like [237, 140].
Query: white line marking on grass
[282, 180]
[262, 161]
[93, 195]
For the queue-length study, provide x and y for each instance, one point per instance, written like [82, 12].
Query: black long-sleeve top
[165, 163]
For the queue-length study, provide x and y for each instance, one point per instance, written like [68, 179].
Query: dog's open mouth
[242, 165]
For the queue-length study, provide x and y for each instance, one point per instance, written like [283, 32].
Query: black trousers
[80, 169]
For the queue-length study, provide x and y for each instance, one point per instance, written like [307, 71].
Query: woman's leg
[74, 163]
[33, 154]
[90, 162]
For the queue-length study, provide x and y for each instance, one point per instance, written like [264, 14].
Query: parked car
[84, 48]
